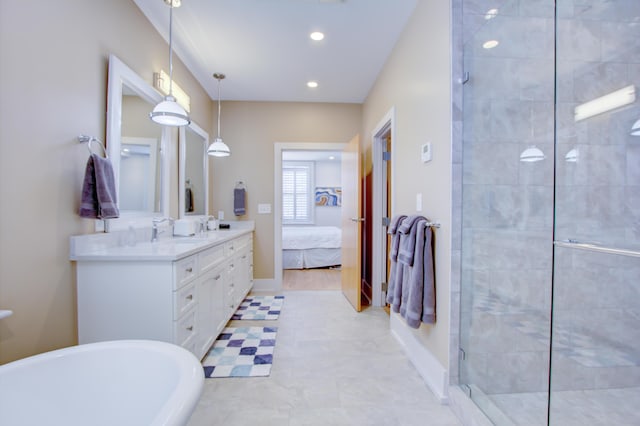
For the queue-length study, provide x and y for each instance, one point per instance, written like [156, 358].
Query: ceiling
[263, 46]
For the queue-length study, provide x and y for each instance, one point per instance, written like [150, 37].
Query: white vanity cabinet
[240, 271]
[186, 301]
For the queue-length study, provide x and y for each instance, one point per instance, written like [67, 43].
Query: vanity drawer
[242, 242]
[211, 257]
[185, 299]
[230, 247]
[186, 327]
[185, 270]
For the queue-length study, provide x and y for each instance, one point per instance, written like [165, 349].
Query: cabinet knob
[189, 269]
[189, 297]
[190, 328]
[217, 277]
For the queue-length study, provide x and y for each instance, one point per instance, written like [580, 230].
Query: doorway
[381, 205]
[298, 263]
[311, 219]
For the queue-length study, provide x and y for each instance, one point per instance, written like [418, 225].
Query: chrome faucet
[154, 228]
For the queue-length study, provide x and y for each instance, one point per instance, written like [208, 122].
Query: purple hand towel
[407, 232]
[395, 240]
[239, 201]
[98, 200]
[395, 272]
[418, 302]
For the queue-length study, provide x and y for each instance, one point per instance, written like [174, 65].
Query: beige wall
[53, 78]
[53, 81]
[251, 129]
[416, 81]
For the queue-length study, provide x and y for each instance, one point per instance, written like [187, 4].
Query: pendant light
[168, 112]
[532, 154]
[635, 129]
[218, 148]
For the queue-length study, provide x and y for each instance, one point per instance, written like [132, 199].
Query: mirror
[137, 147]
[194, 167]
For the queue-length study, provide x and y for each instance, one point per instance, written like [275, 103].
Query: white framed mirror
[193, 197]
[137, 147]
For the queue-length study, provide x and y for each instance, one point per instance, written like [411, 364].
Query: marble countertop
[106, 247]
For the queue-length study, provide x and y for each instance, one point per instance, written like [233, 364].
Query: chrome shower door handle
[357, 219]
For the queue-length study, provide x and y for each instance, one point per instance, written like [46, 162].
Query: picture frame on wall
[329, 196]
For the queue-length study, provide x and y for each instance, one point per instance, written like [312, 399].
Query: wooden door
[351, 223]
[387, 207]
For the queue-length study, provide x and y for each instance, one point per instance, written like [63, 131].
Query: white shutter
[297, 192]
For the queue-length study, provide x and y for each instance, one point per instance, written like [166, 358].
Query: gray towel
[98, 200]
[395, 271]
[418, 284]
[408, 230]
[239, 201]
[395, 240]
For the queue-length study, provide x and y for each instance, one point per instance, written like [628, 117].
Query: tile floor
[332, 366]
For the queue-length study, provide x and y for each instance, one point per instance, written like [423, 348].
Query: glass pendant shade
[531, 155]
[218, 149]
[169, 113]
[572, 156]
[635, 129]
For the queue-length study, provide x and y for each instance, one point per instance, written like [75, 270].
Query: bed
[311, 246]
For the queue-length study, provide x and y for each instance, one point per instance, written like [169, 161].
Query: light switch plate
[419, 202]
[264, 208]
[425, 153]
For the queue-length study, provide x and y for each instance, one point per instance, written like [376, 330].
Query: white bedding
[311, 246]
[310, 237]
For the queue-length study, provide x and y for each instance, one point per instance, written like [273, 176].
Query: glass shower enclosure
[550, 278]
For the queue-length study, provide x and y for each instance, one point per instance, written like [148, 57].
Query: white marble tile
[332, 366]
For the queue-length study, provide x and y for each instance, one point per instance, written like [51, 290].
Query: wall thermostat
[426, 152]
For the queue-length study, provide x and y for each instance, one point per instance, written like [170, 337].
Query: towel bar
[88, 140]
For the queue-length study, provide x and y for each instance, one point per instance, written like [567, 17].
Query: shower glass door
[595, 361]
[550, 283]
[507, 208]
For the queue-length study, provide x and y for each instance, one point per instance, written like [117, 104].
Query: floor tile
[332, 366]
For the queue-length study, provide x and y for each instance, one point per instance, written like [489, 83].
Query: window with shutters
[297, 192]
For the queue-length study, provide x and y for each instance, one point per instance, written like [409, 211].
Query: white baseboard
[429, 368]
[265, 285]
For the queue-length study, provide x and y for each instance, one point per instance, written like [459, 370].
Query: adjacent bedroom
[311, 207]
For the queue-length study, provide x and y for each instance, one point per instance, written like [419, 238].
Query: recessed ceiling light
[331, 157]
[316, 36]
[490, 44]
[312, 84]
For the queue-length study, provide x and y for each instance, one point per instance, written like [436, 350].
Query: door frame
[379, 201]
[278, 147]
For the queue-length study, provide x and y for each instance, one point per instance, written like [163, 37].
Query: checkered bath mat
[259, 308]
[241, 352]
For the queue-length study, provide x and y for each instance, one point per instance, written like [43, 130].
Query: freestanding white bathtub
[127, 382]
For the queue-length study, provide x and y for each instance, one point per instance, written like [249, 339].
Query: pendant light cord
[219, 108]
[170, 50]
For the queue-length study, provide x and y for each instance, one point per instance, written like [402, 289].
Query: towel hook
[88, 140]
